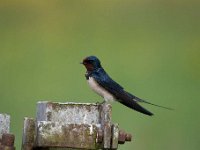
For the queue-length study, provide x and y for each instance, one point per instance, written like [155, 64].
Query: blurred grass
[150, 47]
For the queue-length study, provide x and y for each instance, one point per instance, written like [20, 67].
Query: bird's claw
[98, 103]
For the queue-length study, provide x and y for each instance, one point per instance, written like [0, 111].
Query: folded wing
[117, 91]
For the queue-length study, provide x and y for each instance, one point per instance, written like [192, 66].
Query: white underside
[99, 90]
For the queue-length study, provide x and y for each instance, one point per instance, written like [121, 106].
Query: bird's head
[91, 63]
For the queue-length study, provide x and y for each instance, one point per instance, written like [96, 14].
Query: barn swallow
[101, 83]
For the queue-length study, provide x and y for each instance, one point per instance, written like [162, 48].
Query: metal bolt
[128, 137]
[123, 136]
[8, 139]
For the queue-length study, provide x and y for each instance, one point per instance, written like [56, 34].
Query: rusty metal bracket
[72, 125]
[6, 138]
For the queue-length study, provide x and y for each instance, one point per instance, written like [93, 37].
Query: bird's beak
[81, 63]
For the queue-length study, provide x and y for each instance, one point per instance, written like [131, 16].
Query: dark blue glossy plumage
[103, 79]
[95, 70]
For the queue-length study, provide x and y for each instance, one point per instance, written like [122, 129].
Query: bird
[101, 83]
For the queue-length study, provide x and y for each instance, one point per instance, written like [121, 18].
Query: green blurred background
[152, 48]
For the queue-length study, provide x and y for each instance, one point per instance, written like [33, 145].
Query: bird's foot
[98, 103]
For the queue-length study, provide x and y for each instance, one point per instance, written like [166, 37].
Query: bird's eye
[89, 61]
